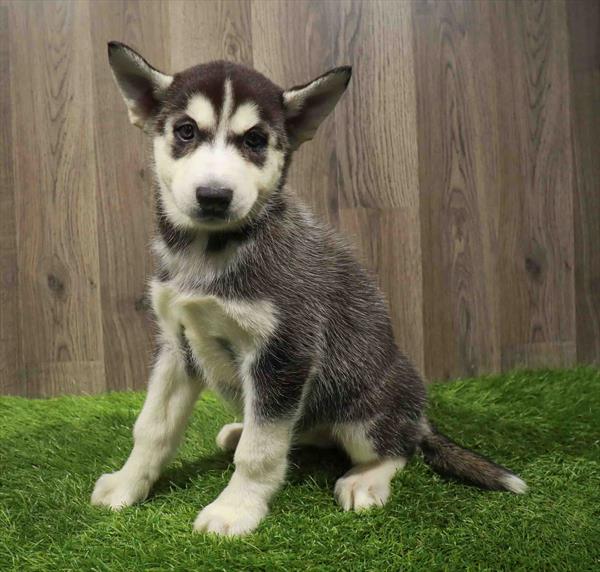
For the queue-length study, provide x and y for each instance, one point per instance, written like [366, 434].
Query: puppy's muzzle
[213, 201]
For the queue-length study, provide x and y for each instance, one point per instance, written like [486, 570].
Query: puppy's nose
[213, 200]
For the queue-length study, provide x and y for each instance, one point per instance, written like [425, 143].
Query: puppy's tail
[447, 458]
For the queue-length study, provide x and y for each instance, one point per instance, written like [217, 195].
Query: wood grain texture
[377, 164]
[584, 65]
[55, 187]
[9, 294]
[124, 200]
[205, 31]
[378, 156]
[462, 162]
[292, 55]
[458, 186]
[536, 252]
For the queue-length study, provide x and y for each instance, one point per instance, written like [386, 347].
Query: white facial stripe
[201, 110]
[225, 112]
[245, 117]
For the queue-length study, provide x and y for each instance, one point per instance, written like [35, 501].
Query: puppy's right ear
[141, 85]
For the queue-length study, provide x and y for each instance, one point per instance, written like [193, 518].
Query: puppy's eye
[185, 132]
[255, 139]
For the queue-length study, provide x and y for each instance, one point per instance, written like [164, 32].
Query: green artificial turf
[544, 425]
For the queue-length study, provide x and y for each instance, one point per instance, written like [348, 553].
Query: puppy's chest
[224, 335]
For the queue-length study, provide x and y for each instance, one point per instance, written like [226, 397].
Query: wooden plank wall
[463, 162]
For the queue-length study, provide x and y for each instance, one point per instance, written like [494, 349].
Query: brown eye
[185, 132]
[255, 139]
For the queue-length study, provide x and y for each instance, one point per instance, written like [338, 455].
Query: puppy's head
[222, 133]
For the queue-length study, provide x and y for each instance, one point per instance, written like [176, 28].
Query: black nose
[213, 201]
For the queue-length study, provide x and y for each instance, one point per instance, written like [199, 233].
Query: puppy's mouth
[212, 220]
[205, 215]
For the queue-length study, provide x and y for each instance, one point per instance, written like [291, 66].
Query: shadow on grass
[317, 465]
[186, 473]
[320, 466]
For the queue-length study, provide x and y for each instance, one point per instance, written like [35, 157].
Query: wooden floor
[464, 162]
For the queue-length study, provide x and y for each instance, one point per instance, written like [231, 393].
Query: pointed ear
[307, 105]
[141, 85]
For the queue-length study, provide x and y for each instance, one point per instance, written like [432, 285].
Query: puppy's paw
[229, 436]
[118, 490]
[356, 492]
[227, 518]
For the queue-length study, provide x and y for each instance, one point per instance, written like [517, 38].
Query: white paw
[229, 436]
[358, 492]
[118, 490]
[229, 519]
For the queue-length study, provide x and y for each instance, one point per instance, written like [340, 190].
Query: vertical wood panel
[55, 182]
[125, 201]
[537, 261]
[584, 26]
[291, 55]
[376, 132]
[205, 31]
[10, 382]
[458, 186]
[377, 167]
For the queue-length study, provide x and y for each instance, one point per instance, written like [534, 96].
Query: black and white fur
[258, 301]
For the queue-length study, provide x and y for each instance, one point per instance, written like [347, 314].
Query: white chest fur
[224, 335]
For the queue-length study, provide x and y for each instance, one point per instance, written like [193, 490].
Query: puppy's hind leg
[229, 436]
[368, 483]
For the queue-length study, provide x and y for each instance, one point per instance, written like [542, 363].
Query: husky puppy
[261, 303]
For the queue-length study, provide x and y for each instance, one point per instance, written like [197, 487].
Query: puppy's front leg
[157, 433]
[260, 466]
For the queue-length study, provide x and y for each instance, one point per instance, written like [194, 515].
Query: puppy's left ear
[307, 105]
[141, 85]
